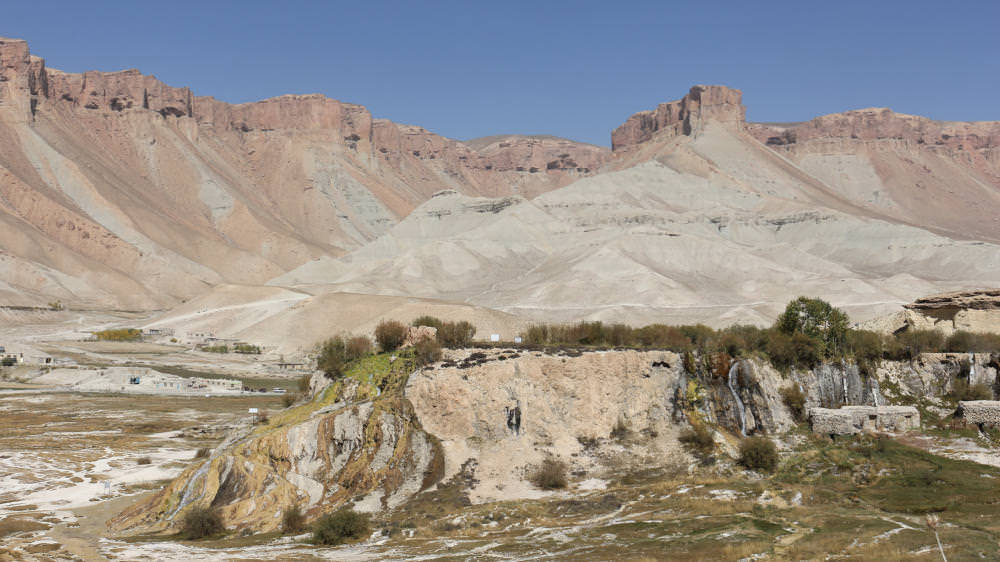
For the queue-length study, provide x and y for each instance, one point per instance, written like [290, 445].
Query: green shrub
[796, 402]
[201, 522]
[796, 350]
[8, 361]
[698, 439]
[215, 348]
[550, 475]
[963, 342]
[962, 390]
[293, 521]
[339, 526]
[247, 349]
[390, 334]
[758, 453]
[427, 320]
[911, 343]
[865, 346]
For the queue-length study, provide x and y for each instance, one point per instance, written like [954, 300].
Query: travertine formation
[849, 420]
[980, 412]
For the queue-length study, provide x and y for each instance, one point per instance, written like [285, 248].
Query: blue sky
[573, 69]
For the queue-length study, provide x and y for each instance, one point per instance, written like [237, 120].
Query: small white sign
[494, 337]
[517, 339]
[253, 410]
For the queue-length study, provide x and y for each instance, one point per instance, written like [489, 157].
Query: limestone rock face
[683, 117]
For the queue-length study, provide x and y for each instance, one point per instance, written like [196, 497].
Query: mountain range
[118, 191]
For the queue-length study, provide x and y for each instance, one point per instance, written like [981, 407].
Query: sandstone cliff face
[185, 191]
[943, 176]
[686, 116]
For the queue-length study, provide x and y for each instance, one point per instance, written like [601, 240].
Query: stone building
[857, 419]
[980, 412]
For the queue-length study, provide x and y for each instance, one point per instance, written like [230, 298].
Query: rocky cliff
[483, 421]
[685, 116]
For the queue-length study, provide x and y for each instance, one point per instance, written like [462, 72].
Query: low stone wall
[856, 419]
[986, 412]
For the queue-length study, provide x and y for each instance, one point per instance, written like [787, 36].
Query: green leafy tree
[817, 319]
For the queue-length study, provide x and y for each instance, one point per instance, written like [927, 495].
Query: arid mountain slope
[118, 190]
[701, 223]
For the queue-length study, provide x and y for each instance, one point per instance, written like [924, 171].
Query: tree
[455, 334]
[332, 357]
[817, 319]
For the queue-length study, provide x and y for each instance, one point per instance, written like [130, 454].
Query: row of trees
[808, 332]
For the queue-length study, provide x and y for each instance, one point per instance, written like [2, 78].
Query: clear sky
[573, 69]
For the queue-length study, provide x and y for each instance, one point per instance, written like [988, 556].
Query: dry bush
[293, 521]
[698, 439]
[758, 453]
[456, 334]
[203, 453]
[620, 430]
[358, 347]
[551, 475]
[427, 351]
[390, 334]
[144, 460]
[796, 402]
[201, 522]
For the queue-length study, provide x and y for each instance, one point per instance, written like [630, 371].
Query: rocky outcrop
[985, 299]
[971, 311]
[882, 123]
[685, 116]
